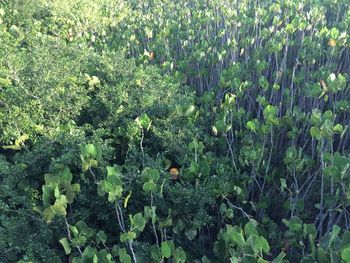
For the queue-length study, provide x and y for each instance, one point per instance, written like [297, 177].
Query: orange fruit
[174, 173]
[332, 42]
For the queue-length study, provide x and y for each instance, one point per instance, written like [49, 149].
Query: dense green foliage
[175, 131]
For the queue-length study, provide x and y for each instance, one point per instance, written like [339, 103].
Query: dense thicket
[174, 131]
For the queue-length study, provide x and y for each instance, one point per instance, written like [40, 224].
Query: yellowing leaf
[19, 142]
[127, 199]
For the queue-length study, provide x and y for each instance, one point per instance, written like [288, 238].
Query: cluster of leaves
[174, 131]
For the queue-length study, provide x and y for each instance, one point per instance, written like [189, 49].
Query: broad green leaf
[179, 255]
[115, 193]
[315, 133]
[310, 229]
[101, 236]
[150, 213]
[112, 171]
[61, 200]
[65, 243]
[123, 256]
[191, 233]
[127, 236]
[139, 221]
[149, 187]
[65, 175]
[204, 167]
[144, 121]
[165, 249]
[156, 254]
[338, 128]
[251, 126]
[263, 244]
[194, 168]
[78, 241]
[74, 230]
[250, 229]
[279, 258]
[71, 191]
[149, 174]
[59, 210]
[48, 214]
[90, 150]
[48, 195]
[322, 256]
[345, 254]
[237, 237]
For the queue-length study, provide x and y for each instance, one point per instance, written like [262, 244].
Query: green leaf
[59, 210]
[115, 193]
[65, 175]
[93, 163]
[194, 168]
[79, 241]
[113, 171]
[295, 224]
[5, 83]
[310, 229]
[127, 236]
[74, 230]
[330, 171]
[191, 233]
[123, 256]
[71, 191]
[139, 221]
[144, 121]
[345, 255]
[165, 249]
[48, 214]
[94, 259]
[322, 256]
[263, 244]
[156, 254]
[114, 181]
[61, 200]
[251, 126]
[250, 229]
[220, 125]
[338, 128]
[204, 167]
[279, 258]
[48, 195]
[179, 255]
[150, 213]
[237, 237]
[315, 133]
[149, 174]
[270, 111]
[149, 187]
[64, 242]
[90, 150]
[101, 236]
[334, 234]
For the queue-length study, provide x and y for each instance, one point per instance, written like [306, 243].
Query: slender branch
[70, 236]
